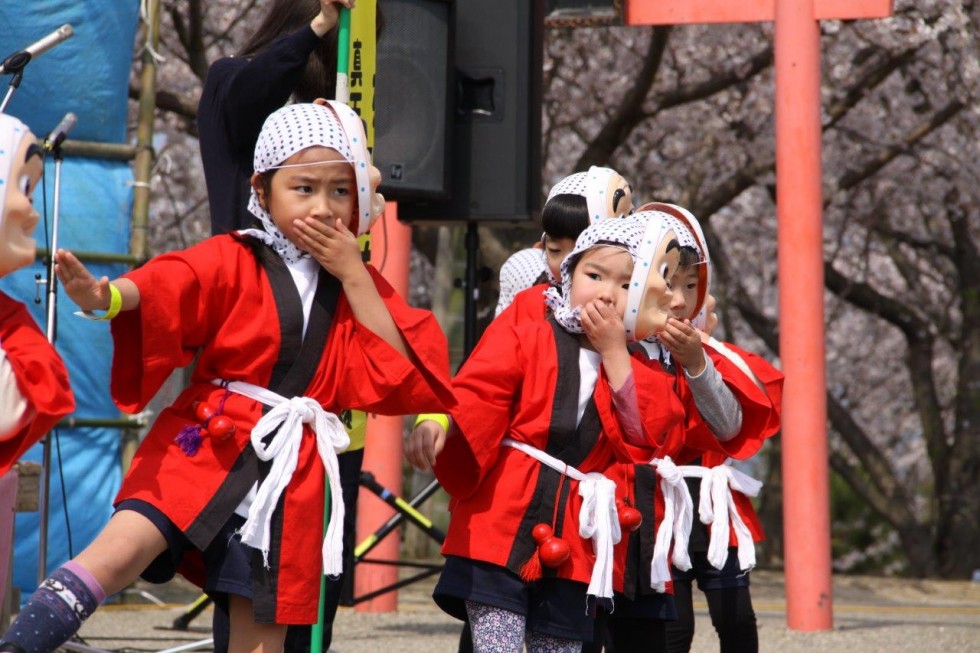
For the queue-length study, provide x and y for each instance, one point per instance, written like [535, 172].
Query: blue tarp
[88, 74]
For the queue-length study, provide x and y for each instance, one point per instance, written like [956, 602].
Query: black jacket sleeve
[238, 95]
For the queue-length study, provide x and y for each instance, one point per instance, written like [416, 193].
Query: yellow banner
[364, 63]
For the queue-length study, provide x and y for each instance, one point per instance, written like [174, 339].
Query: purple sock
[56, 610]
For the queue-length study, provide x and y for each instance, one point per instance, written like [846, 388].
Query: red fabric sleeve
[528, 305]
[189, 301]
[486, 388]
[41, 377]
[384, 381]
[748, 514]
[164, 332]
[661, 412]
[772, 381]
[756, 415]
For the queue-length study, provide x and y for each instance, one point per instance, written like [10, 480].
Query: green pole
[343, 56]
[316, 633]
[342, 94]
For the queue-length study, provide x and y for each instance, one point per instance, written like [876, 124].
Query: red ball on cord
[541, 532]
[221, 426]
[553, 552]
[204, 411]
[630, 518]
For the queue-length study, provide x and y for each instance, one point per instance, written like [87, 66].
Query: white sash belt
[676, 525]
[717, 484]
[289, 416]
[716, 499]
[598, 519]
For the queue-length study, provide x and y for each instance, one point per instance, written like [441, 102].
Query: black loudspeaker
[411, 142]
[495, 118]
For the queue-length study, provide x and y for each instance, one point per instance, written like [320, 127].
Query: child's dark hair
[565, 216]
[265, 180]
[285, 16]
[689, 256]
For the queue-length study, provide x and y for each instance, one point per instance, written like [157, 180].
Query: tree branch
[863, 296]
[922, 245]
[880, 472]
[892, 513]
[718, 82]
[867, 82]
[742, 179]
[167, 101]
[853, 177]
[196, 52]
[224, 35]
[629, 112]
[761, 325]
[724, 193]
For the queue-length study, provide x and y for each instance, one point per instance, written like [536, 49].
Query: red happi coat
[527, 306]
[757, 418]
[522, 382]
[41, 378]
[238, 312]
[754, 431]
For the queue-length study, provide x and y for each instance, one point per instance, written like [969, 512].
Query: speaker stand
[471, 287]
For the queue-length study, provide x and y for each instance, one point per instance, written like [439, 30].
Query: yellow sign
[364, 63]
[361, 76]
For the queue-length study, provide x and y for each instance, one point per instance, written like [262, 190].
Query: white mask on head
[18, 218]
[648, 298]
[598, 186]
[693, 237]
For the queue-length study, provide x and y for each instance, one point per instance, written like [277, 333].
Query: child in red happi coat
[288, 327]
[546, 409]
[735, 413]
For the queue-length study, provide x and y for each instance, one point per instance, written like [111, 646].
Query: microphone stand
[51, 332]
[16, 62]
[18, 71]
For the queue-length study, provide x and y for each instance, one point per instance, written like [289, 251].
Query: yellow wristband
[438, 418]
[115, 305]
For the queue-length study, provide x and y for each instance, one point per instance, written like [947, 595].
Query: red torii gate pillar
[391, 249]
[806, 497]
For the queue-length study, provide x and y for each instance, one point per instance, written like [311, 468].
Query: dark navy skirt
[551, 606]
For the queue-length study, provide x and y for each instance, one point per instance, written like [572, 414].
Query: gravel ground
[870, 615]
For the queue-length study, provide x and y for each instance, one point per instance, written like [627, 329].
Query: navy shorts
[646, 603]
[710, 578]
[227, 561]
[551, 606]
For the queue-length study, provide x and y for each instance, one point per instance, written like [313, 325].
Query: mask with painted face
[692, 236]
[607, 194]
[20, 169]
[586, 197]
[658, 256]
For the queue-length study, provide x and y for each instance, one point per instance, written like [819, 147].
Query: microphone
[60, 132]
[16, 61]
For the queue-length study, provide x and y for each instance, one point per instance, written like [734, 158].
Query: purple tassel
[189, 439]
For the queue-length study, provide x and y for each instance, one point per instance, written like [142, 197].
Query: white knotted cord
[288, 417]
